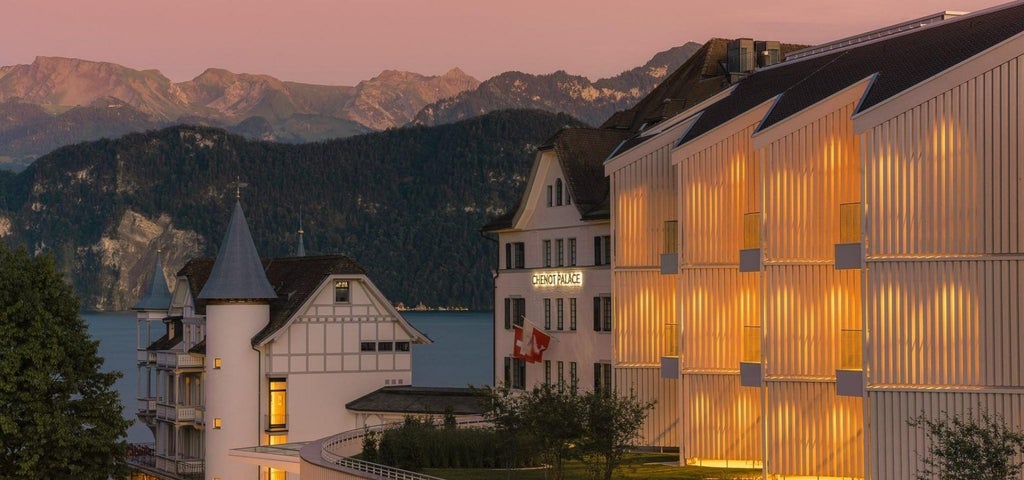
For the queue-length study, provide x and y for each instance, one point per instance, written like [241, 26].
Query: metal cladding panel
[661, 426]
[813, 432]
[718, 186]
[959, 161]
[808, 173]
[644, 312]
[896, 447]
[807, 306]
[643, 194]
[716, 304]
[956, 322]
[720, 419]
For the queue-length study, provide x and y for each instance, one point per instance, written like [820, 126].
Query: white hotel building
[260, 352]
[554, 252]
[849, 229]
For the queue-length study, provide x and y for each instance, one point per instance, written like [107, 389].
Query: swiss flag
[530, 343]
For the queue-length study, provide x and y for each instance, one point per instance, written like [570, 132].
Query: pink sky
[345, 41]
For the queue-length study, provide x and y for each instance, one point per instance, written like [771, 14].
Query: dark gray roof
[158, 297]
[898, 63]
[421, 400]
[237, 273]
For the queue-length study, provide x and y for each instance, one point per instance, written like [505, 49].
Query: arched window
[558, 191]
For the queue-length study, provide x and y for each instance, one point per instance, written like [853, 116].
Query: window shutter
[508, 371]
[597, 314]
[508, 255]
[508, 313]
[597, 376]
[597, 250]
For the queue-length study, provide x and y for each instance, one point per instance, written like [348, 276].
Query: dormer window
[341, 291]
[558, 192]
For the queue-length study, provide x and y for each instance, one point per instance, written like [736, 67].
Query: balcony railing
[178, 360]
[147, 405]
[180, 413]
[181, 466]
[145, 356]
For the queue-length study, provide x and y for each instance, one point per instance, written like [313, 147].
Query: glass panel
[278, 402]
[670, 245]
[670, 340]
[752, 230]
[751, 344]
[341, 291]
[849, 223]
[851, 350]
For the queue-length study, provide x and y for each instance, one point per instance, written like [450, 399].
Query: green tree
[964, 448]
[613, 425]
[554, 418]
[59, 414]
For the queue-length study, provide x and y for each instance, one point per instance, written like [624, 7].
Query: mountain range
[406, 203]
[59, 101]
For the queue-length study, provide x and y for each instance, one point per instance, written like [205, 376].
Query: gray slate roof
[420, 400]
[158, 297]
[237, 273]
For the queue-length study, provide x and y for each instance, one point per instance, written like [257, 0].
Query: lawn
[639, 466]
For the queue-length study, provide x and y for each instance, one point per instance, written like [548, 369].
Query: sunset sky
[345, 41]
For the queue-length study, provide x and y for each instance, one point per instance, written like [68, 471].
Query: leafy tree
[553, 416]
[59, 415]
[963, 448]
[613, 424]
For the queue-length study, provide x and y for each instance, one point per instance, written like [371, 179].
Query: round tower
[149, 313]
[237, 296]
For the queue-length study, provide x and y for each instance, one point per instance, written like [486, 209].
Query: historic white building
[260, 352]
[554, 252]
[849, 248]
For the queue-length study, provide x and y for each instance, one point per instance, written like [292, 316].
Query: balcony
[177, 360]
[147, 406]
[184, 467]
[145, 356]
[180, 413]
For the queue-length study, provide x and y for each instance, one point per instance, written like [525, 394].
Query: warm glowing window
[850, 350]
[277, 439]
[276, 474]
[670, 337]
[752, 230]
[216, 422]
[849, 223]
[671, 244]
[751, 344]
[341, 291]
[216, 362]
[278, 403]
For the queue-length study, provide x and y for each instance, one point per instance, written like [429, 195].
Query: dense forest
[405, 203]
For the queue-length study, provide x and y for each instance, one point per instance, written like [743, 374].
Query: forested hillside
[405, 203]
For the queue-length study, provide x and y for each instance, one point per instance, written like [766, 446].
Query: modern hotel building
[848, 249]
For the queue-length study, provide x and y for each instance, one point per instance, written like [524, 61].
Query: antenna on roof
[301, 251]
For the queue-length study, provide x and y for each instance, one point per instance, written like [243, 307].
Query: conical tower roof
[158, 297]
[237, 273]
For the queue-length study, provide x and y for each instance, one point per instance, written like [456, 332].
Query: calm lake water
[462, 353]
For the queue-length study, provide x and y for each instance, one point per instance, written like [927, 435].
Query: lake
[462, 353]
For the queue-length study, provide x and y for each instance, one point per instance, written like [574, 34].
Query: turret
[150, 309]
[237, 296]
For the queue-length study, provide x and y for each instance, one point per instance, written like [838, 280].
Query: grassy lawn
[636, 467]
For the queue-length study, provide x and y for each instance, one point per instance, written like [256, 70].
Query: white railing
[330, 447]
[179, 413]
[147, 404]
[145, 356]
[186, 467]
[178, 360]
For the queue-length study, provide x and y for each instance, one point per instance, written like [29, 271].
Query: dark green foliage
[407, 203]
[418, 444]
[59, 415]
[564, 424]
[371, 446]
[964, 448]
